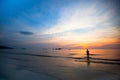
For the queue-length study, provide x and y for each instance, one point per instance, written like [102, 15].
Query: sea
[65, 64]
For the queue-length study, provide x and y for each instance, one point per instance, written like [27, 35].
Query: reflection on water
[101, 64]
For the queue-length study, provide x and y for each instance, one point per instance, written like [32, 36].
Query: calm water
[103, 64]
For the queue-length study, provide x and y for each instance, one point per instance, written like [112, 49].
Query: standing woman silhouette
[88, 58]
[87, 53]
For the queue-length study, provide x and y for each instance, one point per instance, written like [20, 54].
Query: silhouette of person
[88, 58]
[87, 53]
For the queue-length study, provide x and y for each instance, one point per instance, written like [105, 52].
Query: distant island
[5, 47]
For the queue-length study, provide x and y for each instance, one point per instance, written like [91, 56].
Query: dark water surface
[103, 64]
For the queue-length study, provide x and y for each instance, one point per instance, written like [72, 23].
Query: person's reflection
[88, 58]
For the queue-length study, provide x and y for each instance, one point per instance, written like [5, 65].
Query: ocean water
[103, 64]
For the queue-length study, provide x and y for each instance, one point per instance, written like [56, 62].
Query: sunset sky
[60, 23]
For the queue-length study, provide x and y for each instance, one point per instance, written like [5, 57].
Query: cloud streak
[88, 25]
[77, 17]
[26, 33]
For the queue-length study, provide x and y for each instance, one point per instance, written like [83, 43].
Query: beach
[59, 39]
[59, 65]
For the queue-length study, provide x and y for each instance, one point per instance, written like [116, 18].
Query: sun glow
[84, 46]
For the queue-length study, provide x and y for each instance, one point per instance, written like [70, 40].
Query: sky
[60, 23]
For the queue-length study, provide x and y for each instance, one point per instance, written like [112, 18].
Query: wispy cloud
[89, 24]
[93, 37]
[77, 17]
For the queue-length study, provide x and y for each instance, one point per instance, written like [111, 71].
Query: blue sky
[59, 22]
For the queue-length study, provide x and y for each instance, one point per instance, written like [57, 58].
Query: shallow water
[60, 64]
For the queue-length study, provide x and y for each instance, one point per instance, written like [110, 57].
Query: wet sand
[44, 66]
